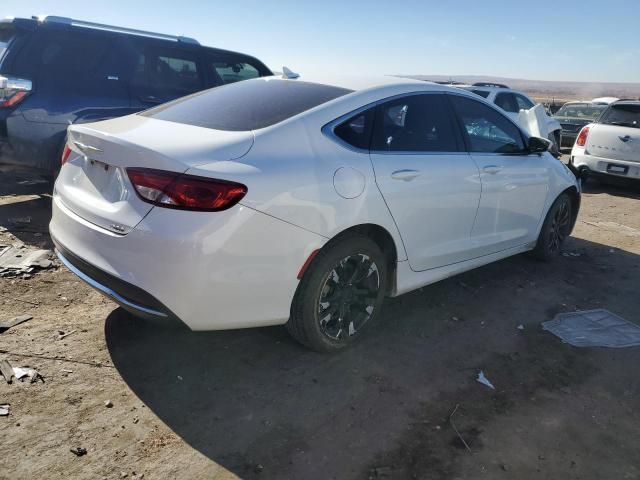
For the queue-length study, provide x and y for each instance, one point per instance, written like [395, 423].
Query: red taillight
[185, 192]
[13, 99]
[581, 141]
[65, 154]
[13, 90]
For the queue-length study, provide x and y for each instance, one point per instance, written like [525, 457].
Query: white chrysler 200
[305, 202]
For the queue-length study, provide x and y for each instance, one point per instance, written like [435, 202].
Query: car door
[514, 182]
[431, 186]
[163, 73]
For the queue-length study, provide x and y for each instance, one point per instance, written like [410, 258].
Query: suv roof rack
[490, 84]
[112, 28]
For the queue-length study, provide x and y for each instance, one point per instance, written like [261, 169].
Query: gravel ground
[254, 404]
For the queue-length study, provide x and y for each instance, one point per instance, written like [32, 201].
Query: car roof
[626, 102]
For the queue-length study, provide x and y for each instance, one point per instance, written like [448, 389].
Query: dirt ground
[254, 404]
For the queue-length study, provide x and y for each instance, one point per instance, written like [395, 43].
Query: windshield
[625, 115]
[247, 105]
[581, 110]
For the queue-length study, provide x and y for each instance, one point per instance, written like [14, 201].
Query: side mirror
[538, 145]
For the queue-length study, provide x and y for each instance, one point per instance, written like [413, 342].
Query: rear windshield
[581, 110]
[624, 115]
[247, 105]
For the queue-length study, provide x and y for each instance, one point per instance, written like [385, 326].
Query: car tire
[555, 229]
[340, 294]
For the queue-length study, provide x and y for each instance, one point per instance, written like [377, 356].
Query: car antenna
[287, 73]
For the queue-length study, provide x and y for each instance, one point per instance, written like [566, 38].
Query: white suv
[512, 101]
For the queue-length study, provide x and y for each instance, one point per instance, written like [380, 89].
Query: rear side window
[173, 70]
[623, 115]
[507, 102]
[416, 123]
[523, 102]
[357, 130]
[249, 105]
[488, 131]
[482, 93]
[232, 70]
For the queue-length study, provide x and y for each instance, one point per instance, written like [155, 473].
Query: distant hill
[544, 90]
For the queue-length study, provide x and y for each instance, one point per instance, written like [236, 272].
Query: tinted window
[174, 71]
[580, 110]
[482, 93]
[230, 70]
[6, 34]
[487, 130]
[523, 102]
[247, 105]
[507, 102]
[62, 59]
[624, 115]
[417, 123]
[357, 130]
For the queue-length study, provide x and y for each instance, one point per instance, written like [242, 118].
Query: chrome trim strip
[108, 292]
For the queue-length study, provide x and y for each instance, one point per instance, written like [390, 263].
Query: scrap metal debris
[4, 326]
[6, 369]
[62, 334]
[455, 429]
[4, 409]
[484, 380]
[78, 451]
[22, 372]
[594, 328]
[17, 260]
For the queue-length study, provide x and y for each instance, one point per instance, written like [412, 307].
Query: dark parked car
[575, 115]
[57, 71]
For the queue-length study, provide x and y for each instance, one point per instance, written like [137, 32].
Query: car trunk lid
[94, 183]
[614, 142]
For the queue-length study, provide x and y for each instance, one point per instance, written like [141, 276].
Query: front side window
[249, 105]
[507, 102]
[417, 123]
[488, 131]
[356, 131]
[523, 102]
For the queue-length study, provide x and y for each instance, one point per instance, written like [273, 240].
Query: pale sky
[583, 40]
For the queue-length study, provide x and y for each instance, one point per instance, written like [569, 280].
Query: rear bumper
[213, 271]
[591, 164]
[131, 298]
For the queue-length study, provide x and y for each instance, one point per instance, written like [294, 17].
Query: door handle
[492, 169]
[406, 175]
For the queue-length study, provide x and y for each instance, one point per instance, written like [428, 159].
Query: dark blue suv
[57, 71]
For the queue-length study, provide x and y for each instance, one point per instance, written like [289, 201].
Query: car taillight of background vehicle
[581, 141]
[185, 192]
[13, 90]
[65, 154]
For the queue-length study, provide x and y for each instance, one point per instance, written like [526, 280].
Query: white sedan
[611, 145]
[302, 202]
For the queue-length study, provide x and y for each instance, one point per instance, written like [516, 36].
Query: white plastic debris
[4, 410]
[594, 328]
[484, 380]
[520, 327]
[21, 372]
